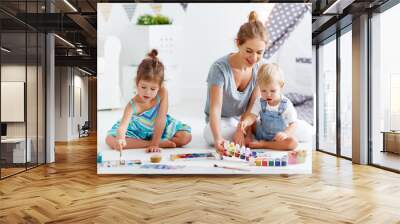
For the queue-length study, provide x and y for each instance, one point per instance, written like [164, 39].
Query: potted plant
[153, 20]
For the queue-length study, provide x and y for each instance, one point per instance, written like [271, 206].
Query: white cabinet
[16, 147]
[164, 38]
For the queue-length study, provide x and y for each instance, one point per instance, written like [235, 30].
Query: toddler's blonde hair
[269, 73]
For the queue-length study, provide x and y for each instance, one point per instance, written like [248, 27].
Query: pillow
[297, 98]
[305, 111]
[304, 131]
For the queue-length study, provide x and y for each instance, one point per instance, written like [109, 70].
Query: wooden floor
[5, 172]
[387, 159]
[70, 191]
[10, 171]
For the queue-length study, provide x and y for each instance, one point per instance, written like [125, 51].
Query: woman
[232, 85]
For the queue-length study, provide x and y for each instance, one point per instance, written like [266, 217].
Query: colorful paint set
[279, 158]
[283, 161]
[232, 150]
[192, 156]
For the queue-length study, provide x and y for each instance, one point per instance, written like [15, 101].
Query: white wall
[68, 81]
[81, 83]
[33, 127]
[17, 73]
[61, 103]
[14, 73]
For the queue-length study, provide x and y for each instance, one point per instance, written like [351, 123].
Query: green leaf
[153, 20]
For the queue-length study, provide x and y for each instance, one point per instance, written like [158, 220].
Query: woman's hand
[248, 139]
[238, 137]
[243, 125]
[219, 146]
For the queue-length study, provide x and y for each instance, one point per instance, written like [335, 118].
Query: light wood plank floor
[70, 191]
[10, 171]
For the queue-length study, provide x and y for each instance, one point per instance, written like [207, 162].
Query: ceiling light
[338, 6]
[65, 41]
[5, 49]
[70, 5]
[84, 71]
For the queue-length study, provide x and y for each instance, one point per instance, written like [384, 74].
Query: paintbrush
[121, 145]
[121, 159]
[231, 168]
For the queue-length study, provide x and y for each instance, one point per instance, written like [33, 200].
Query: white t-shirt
[289, 115]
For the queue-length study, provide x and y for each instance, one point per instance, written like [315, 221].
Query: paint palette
[192, 156]
[161, 166]
[119, 163]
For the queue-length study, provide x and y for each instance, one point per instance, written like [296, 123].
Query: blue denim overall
[271, 122]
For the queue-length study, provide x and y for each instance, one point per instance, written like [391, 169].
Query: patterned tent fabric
[184, 6]
[156, 7]
[281, 22]
[105, 10]
[129, 10]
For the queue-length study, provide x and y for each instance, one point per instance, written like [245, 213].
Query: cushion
[297, 98]
[304, 131]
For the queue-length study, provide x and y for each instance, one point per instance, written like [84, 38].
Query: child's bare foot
[167, 144]
[256, 145]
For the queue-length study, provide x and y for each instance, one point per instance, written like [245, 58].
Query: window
[22, 76]
[327, 97]
[346, 75]
[385, 87]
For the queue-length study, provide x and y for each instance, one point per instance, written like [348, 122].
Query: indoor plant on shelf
[153, 20]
